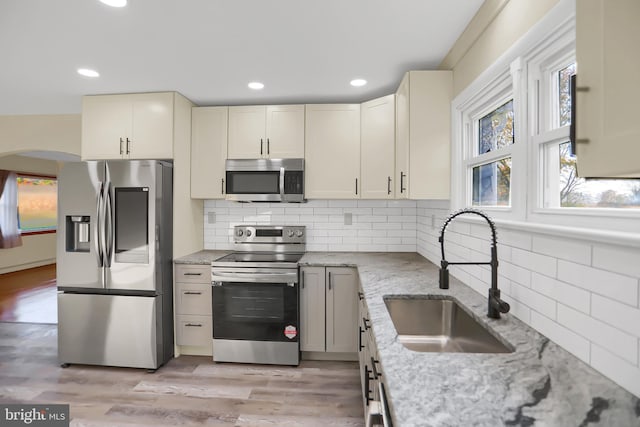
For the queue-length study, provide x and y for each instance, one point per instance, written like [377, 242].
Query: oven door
[265, 311]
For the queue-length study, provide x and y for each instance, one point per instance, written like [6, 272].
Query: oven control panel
[269, 234]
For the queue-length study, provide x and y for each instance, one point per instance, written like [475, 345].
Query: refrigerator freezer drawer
[109, 330]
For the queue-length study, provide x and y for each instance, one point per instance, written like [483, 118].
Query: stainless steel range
[255, 296]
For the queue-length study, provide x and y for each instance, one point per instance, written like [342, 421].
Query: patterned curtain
[9, 232]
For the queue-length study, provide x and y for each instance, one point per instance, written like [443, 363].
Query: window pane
[594, 193]
[496, 129]
[492, 183]
[564, 94]
[37, 204]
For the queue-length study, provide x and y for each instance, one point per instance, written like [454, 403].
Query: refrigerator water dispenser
[78, 233]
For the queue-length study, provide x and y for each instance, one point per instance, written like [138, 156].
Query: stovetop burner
[265, 257]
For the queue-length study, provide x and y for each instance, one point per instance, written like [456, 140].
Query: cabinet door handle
[268, 151]
[402, 175]
[329, 280]
[261, 142]
[193, 274]
[192, 293]
[197, 325]
[367, 384]
[222, 187]
[356, 186]
[121, 141]
[360, 296]
[374, 370]
[388, 185]
[302, 280]
[360, 331]
[128, 146]
[364, 322]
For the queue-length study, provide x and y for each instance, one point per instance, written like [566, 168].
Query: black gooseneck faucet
[496, 305]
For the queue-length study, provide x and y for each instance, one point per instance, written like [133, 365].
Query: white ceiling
[304, 51]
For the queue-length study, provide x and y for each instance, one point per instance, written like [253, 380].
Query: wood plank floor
[188, 391]
[29, 295]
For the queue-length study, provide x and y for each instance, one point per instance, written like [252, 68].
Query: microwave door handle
[282, 184]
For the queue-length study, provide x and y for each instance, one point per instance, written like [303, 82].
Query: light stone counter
[202, 257]
[539, 384]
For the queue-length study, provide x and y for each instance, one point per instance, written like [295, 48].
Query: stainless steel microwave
[265, 180]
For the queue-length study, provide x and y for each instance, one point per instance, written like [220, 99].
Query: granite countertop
[538, 384]
[202, 257]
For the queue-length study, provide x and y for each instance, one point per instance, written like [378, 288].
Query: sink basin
[439, 325]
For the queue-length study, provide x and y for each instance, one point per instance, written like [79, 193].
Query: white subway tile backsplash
[515, 273]
[377, 225]
[624, 373]
[562, 292]
[538, 302]
[516, 239]
[619, 342]
[572, 342]
[616, 314]
[623, 260]
[621, 288]
[571, 250]
[532, 261]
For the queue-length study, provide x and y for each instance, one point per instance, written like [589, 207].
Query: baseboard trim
[27, 266]
[322, 355]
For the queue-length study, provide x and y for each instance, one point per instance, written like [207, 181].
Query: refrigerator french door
[114, 263]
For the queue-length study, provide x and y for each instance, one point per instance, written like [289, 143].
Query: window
[37, 204]
[563, 187]
[511, 154]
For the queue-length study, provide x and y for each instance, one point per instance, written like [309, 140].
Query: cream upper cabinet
[259, 131]
[607, 125]
[208, 151]
[424, 120]
[128, 126]
[377, 148]
[332, 151]
[402, 139]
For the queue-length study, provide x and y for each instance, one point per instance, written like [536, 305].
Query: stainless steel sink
[439, 325]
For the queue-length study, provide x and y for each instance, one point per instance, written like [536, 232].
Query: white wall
[56, 132]
[583, 294]
[377, 225]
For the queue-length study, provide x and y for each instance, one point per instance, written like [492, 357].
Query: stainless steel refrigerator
[114, 263]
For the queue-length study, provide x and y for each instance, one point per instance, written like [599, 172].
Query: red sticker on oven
[290, 332]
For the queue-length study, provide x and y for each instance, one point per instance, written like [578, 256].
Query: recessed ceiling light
[115, 3]
[358, 82]
[255, 85]
[87, 72]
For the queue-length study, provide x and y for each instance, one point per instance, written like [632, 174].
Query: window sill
[589, 234]
[34, 233]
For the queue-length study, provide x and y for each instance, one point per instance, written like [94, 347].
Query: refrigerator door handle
[99, 216]
[108, 227]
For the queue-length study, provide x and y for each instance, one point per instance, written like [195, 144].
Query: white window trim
[511, 69]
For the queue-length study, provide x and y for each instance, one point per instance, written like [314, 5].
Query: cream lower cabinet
[332, 151]
[266, 131]
[329, 309]
[607, 125]
[208, 151]
[423, 135]
[193, 307]
[377, 148]
[128, 126]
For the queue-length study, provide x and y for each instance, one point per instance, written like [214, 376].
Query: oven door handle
[253, 277]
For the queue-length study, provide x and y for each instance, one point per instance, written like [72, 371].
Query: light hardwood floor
[29, 295]
[188, 391]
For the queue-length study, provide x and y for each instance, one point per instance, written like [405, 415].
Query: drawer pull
[193, 274]
[192, 293]
[198, 325]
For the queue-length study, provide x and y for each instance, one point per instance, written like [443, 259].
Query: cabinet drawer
[194, 330]
[193, 273]
[193, 298]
